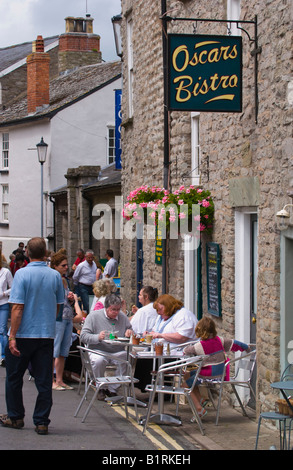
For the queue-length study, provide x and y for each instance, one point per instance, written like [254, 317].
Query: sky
[23, 20]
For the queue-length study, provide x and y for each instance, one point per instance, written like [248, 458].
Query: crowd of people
[46, 300]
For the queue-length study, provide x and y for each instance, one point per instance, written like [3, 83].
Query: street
[106, 429]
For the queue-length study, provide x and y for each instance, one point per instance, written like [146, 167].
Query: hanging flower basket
[158, 206]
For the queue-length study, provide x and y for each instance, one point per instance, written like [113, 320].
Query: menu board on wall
[214, 278]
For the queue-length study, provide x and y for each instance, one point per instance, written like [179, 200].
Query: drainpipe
[166, 135]
[54, 221]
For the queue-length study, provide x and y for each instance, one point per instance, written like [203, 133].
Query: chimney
[37, 77]
[78, 46]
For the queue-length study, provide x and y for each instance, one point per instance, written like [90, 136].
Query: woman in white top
[6, 280]
[175, 324]
[145, 317]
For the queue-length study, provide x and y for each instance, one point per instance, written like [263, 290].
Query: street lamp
[42, 153]
[117, 21]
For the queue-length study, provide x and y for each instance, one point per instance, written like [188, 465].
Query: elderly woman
[94, 333]
[213, 366]
[101, 288]
[175, 324]
[64, 324]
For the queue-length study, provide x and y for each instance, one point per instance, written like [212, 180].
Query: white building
[74, 112]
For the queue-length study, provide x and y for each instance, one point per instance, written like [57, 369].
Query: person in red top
[80, 258]
[17, 263]
[213, 365]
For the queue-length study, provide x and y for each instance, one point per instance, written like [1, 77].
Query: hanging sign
[118, 97]
[205, 73]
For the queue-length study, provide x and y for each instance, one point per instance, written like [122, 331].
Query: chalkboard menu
[214, 278]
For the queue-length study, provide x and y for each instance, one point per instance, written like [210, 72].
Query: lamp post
[42, 154]
[116, 22]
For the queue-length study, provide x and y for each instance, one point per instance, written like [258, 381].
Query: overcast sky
[23, 20]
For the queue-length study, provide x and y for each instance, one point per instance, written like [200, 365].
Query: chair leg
[195, 413]
[239, 401]
[81, 401]
[257, 434]
[90, 405]
[219, 404]
[151, 402]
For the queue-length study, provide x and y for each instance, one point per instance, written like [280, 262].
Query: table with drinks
[160, 352]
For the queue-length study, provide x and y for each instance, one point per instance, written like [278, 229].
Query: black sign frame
[203, 75]
[213, 259]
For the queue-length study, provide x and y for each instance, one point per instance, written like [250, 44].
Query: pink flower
[182, 215]
[205, 203]
[197, 218]
[180, 202]
[199, 190]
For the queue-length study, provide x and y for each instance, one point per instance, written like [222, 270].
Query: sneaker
[101, 395]
[41, 429]
[11, 423]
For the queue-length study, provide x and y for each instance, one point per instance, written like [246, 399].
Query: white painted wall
[79, 133]
[76, 136]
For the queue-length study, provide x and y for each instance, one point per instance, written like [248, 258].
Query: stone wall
[244, 163]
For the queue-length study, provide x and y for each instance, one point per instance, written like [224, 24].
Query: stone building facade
[244, 159]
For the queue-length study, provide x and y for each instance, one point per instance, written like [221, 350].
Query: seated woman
[175, 324]
[145, 317]
[212, 367]
[101, 288]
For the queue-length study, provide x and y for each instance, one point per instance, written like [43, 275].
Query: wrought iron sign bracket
[239, 24]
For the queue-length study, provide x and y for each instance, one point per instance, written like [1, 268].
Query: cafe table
[123, 341]
[283, 386]
[160, 417]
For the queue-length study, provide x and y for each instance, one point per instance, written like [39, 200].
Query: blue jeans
[4, 314]
[63, 338]
[38, 352]
[84, 291]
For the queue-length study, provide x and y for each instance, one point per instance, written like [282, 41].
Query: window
[195, 150]
[5, 202]
[130, 66]
[111, 145]
[5, 151]
[233, 13]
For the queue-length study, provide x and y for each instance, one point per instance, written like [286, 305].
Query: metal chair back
[97, 383]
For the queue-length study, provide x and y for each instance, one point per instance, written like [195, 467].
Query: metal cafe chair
[96, 383]
[280, 417]
[175, 389]
[244, 364]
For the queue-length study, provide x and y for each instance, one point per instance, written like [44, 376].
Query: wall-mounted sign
[159, 247]
[118, 98]
[214, 279]
[205, 73]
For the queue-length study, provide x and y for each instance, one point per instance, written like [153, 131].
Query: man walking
[35, 296]
[111, 268]
[84, 276]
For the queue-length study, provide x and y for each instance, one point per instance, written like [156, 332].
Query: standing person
[80, 258]
[144, 318]
[84, 276]
[111, 268]
[64, 322]
[35, 296]
[6, 280]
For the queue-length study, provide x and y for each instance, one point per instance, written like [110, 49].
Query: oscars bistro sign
[205, 73]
